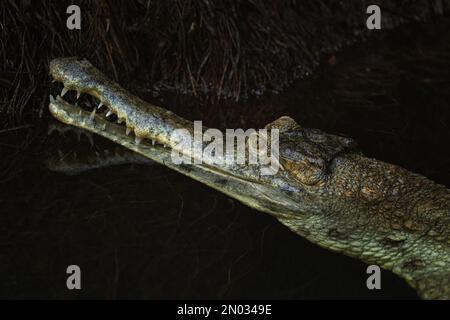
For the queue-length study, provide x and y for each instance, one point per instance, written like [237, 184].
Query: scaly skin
[326, 191]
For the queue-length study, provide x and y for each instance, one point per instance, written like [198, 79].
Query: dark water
[143, 231]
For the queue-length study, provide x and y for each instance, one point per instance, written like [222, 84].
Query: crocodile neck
[385, 215]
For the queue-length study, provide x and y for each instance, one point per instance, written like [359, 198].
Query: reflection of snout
[79, 150]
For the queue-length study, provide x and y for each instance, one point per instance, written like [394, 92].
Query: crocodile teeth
[128, 131]
[153, 142]
[137, 140]
[52, 99]
[78, 95]
[64, 91]
[108, 113]
[99, 105]
[119, 121]
[92, 114]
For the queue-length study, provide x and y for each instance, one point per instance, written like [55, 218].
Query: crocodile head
[305, 156]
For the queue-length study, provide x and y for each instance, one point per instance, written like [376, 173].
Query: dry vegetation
[202, 47]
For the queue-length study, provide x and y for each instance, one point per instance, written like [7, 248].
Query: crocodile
[325, 190]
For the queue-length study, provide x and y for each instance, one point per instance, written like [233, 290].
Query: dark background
[143, 231]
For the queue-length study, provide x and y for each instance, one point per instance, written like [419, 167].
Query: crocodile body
[326, 191]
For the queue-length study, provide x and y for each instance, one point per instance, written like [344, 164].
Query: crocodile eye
[304, 172]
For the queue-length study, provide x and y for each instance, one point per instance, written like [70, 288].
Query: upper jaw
[146, 121]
